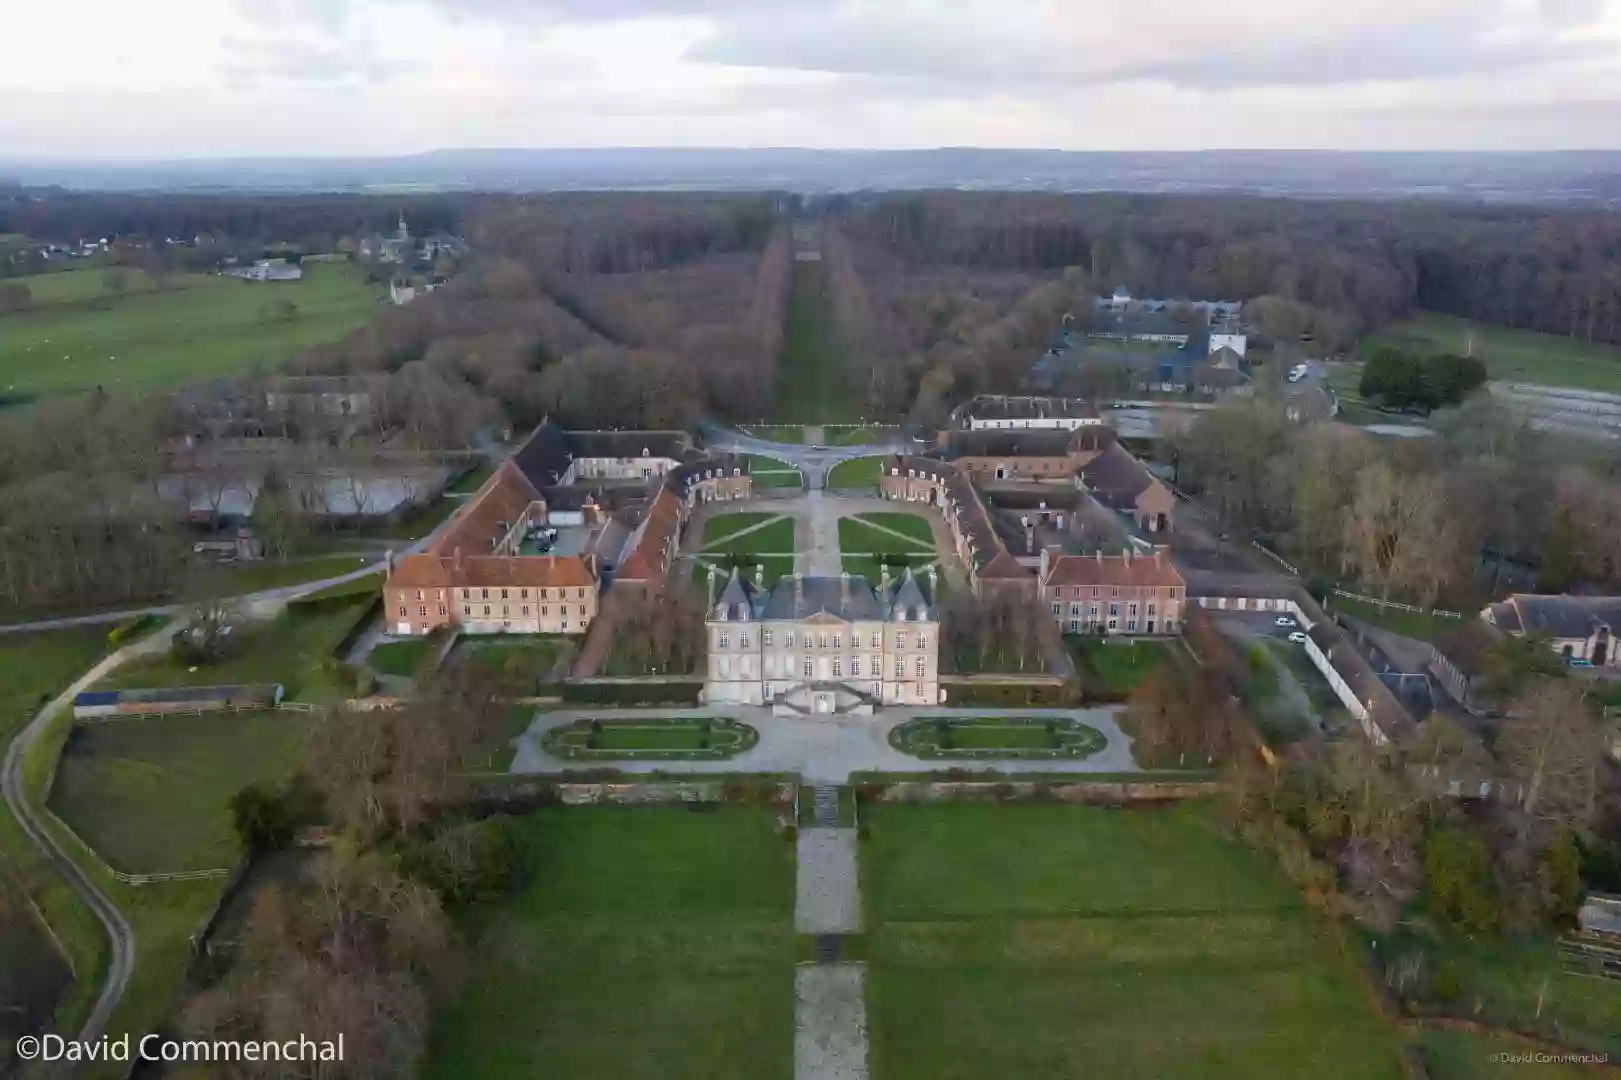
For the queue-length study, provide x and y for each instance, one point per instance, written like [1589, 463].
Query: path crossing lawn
[878, 532]
[859, 473]
[153, 794]
[254, 577]
[777, 538]
[770, 472]
[721, 526]
[648, 943]
[294, 650]
[1039, 940]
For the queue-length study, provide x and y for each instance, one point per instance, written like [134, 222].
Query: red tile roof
[488, 571]
[1125, 569]
[477, 526]
[645, 562]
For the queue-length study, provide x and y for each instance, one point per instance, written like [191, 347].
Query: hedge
[1011, 695]
[362, 621]
[663, 692]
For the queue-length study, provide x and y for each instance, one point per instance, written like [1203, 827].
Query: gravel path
[827, 897]
[830, 1022]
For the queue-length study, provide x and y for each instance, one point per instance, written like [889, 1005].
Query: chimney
[799, 590]
[388, 564]
[934, 580]
[1160, 551]
[883, 575]
[844, 588]
[1046, 563]
[456, 558]
[1100, 556]
[712, 576]
[1128, 556]
[759, 575]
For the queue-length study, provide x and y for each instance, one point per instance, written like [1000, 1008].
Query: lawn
[1457, 1055]
[813, 380]
[1068, 941]
[776, 567]
[1423, 625]
[869, 568]
[202, 326]
[295, 650]
[534, 658]
[858, 473]
[266, 574]
[770, 472]
[77, 286]
[34, 668]
[1510, 355]
[402, 658]
[776, 538]
[1113, 667]
[471, 482]
[152, 795]
[780, 433]
[885, 525]
[857, 436]
[723, 525]
[648, 943]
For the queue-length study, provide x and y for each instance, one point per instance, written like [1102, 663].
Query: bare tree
[1551, 750]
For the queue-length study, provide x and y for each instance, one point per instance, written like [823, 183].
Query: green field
[780, 433]
[152, 795]
[202, 326]
[471, 482]
[33, 669]
[402, 658]
[857, 436]
[531, 657]
[1456, 1055]
[1115, 667]
[295, 650]
[859, 473]
[813, 380]
[648, 943]
[1064, 941]
[1423, 625]
[1510, 355]
[259, 576]
[770, 472]
[775, 538]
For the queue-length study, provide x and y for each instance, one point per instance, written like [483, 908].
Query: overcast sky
[163, 78]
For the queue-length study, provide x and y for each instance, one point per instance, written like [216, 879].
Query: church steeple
[404, 233]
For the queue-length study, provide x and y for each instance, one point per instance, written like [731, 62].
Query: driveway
[824, 750]
[813, 461]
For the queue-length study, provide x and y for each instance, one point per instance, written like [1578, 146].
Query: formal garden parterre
[651, 738]
[997, 737]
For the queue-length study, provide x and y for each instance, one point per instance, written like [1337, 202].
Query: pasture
[80, 334]
[1069, 941]
[1509, 355]
[648, 942]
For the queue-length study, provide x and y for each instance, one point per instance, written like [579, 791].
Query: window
[900, 669]
[582, 594]
[788, 640]
[922, 667]
[876, 641]
[526, 611]
[486, 594]
[1077, 592]
[506, 612]
[838, 668]
[1074, 610]
[441, 611]
[1074, 626]
[486, 611]
[1131, 626]
[523, 594]
[1057, 608]
[821, 641]
[402, 611]
[923, 641]
[545, 610]
[855, 666]
[900, 640]
[726, 641]
[838, 641]
[423, 611]
[1151, 607]
[810, 668]
[742, 641]
[467, 609]
[765, 638]
[1131, 610]
[877, 668]
[582, 609]
[1114, 611]
[419, 594]
[503, 594]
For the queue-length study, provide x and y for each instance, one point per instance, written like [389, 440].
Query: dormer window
[742, 611]
[720, 613]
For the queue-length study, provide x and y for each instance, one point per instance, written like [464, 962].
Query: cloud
[1219, 44]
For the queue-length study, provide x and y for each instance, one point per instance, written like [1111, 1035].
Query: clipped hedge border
[683, 692]
[747, 739]
[905, 739]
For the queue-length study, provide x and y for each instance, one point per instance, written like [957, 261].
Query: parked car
[1298, 638]
[1284, 620]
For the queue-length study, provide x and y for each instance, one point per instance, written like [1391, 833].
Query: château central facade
[823, 645]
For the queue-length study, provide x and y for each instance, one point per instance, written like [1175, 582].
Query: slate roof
[1029, 408]
[1465, 645]
[1027, 442]
[488, 515]
[850, 597]
[628, 444]
[1115, 475]
[1033, 497]
[1558, 616]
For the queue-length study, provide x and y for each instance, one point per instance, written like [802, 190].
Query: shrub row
[664, 692]
[1013, 695]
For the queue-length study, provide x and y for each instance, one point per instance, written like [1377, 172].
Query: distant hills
[1587, 178]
